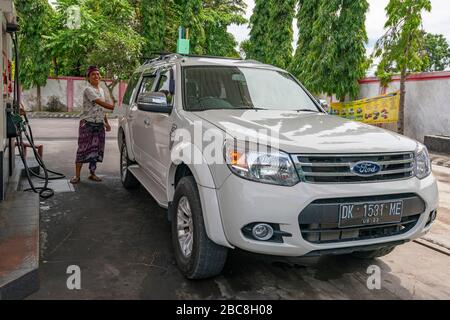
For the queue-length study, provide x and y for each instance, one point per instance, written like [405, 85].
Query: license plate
[370, 213]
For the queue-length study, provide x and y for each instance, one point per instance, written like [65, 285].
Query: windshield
[207, 88]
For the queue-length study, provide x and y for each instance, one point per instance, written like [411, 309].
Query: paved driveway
[121, 242]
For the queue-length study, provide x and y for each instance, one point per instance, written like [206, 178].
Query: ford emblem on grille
[366, 168]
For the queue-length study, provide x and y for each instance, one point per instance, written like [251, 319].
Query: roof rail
[253, 61]
[159, 56]
[206, 56]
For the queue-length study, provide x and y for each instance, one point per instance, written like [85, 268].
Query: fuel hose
[24, 129]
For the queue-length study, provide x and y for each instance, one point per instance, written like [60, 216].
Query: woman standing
[93, 124]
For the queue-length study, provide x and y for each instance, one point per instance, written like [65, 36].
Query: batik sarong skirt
[91, 142]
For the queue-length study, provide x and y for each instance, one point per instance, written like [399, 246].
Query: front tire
[127, 178]
[196, 255]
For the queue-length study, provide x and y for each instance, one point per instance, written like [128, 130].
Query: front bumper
[244, 202]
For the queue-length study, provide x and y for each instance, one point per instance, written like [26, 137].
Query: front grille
[337, 168]
[319, 221]
[326, 233]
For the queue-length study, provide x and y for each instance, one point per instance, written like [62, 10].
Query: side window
[130, 88]
[165, 84]
[147, 84]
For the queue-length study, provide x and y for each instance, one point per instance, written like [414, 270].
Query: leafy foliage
[35, 58]
[117, 52]
[192, 17]
[301, 67]
[330, 56]
[271, 33]
[70, 46]
[218, 15]
[281, 33]
[259, 33]
[401, 48]
[153, 25]
[173, 14]
[207, 21]
[105, 37]
[438, 52]
[244, 49]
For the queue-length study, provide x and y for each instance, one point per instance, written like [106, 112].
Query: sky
[437, 21]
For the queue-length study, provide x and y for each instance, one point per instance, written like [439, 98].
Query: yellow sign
[381, 109]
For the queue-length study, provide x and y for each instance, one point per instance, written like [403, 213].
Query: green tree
[173, 22]
[334, 55]
[401, 48]
[218, 15]
[438, 52]
[302, 63]
[346, 61]
[192, 19]
[244, 49]
[206, 20]
[280, 31]
[259, 33]
[117, 53]
[35, 59]
[153, 25]
[70, 44]
[104, 36]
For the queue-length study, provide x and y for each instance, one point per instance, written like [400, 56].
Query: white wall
[53, 88]
[58, 87]
[427, 110]
[427, 105]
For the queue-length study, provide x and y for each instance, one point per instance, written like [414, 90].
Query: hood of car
[306, 132]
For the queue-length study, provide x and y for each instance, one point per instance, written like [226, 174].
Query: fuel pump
[22, 128]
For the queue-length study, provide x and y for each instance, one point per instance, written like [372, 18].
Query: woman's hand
[107, 127]
[104, 104]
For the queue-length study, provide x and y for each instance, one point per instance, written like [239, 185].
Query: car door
[139, 121]
[156, 152]
[128, 103]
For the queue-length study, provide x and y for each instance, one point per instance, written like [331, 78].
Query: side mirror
[153, 102]
[324, 104]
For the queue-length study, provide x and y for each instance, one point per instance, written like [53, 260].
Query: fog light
[262, 232]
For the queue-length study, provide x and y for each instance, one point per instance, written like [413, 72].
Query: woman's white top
[92, 112]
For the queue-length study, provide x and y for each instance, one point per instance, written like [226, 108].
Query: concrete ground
[121, 242]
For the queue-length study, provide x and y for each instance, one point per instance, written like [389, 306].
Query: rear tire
[373, 253]
[196, 255]
[127, 178]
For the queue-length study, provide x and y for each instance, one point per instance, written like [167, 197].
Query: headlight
[422, 165]
[268, 166]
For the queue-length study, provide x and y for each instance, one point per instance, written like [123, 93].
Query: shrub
[55, 105]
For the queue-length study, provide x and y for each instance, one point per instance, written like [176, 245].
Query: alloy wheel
[185, 227]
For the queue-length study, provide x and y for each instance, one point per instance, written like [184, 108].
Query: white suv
[244, 157]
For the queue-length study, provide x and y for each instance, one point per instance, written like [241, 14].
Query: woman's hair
[90, 70]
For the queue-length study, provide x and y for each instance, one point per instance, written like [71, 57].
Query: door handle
[132, 111]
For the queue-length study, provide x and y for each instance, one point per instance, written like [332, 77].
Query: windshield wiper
[248, 108]
[234, 108]
[308, 110]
